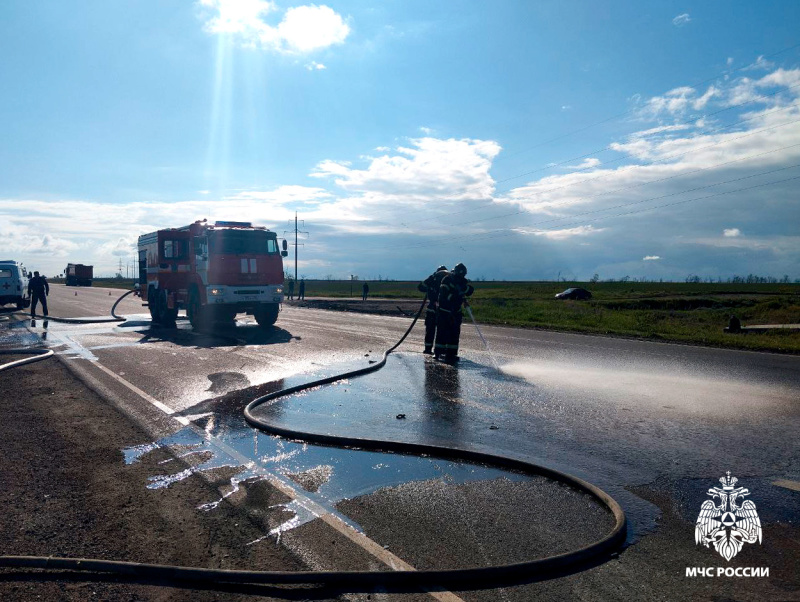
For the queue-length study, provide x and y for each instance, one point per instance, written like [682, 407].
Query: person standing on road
[431, 286]
[453, 295]
[38, 289]
[302, 294]
[364, 291]
[291, 289]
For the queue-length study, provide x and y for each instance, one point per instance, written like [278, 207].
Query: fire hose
[540, 568]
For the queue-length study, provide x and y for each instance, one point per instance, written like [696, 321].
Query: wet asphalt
[622, 414]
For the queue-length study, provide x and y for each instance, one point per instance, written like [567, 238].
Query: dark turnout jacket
[453, 292]
[431, 285]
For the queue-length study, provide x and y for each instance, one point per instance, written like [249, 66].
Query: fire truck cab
[213, 272]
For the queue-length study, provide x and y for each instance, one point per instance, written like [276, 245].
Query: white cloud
[759, 64]
[429, 168]
[681, 20]
[587, 163]
[677, 101]
[651, 258]
[122, 247]
[661, 129]
[671, 185]
[566, 107]
[563, 233]
[307, 28]
[303, 29]
[315, 66]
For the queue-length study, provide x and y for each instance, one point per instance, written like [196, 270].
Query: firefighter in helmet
[453, 293]
[431, 286]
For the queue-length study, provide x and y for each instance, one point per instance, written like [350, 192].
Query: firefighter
[38, 289]
[291, 289]
[431, 286]
[364, 291]
[302, 294]
[453, 293]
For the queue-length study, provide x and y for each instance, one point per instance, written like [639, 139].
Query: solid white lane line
[151, 400]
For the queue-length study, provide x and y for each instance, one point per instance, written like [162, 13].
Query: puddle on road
[326, 475]
[15, 334]
[440, 404]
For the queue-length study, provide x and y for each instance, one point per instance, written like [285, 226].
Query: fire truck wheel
[266, 315]
[194, 310]
[165, 315]
[151, 303]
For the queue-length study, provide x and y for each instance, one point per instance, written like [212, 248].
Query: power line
[582, 222]
[625, 168]
[622, 157]
[610, 147]
[625, 188]
[631, 111]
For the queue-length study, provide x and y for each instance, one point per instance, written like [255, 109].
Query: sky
[528, 140]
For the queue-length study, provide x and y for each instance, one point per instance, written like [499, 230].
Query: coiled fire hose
[485, 576]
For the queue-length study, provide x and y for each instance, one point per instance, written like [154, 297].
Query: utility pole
[296, 244]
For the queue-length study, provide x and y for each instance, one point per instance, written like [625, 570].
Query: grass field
[689, 313]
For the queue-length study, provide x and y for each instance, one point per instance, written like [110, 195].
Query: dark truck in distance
[77, 274]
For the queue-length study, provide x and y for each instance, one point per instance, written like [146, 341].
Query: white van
[14, 284]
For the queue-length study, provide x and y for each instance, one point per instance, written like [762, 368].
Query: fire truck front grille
[243, 292]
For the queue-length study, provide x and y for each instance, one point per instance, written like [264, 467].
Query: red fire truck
[213, 271]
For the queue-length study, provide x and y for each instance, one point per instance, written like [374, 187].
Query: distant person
[38, 289]
[431, 286]
[302, 289]
[291, 289]
[453, 294]
[364, 291]
[734, 324]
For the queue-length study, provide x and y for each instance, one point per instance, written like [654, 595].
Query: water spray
[480, 334]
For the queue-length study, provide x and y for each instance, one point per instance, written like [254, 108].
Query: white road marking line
[151, 400]
[361, 540]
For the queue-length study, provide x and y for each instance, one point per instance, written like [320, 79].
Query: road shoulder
[69, 493]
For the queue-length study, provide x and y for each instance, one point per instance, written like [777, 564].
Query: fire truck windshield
[243, 242]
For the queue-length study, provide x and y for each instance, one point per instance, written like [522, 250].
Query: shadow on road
[217, 335]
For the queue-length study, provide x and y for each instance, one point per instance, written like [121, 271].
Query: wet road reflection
[327, 475]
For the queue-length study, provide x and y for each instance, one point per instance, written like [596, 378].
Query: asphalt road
[653, 424]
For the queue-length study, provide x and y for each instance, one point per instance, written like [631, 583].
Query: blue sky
[409, 134]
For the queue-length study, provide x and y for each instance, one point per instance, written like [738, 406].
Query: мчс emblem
[727, 525]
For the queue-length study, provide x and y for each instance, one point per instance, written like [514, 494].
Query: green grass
[680, 312]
